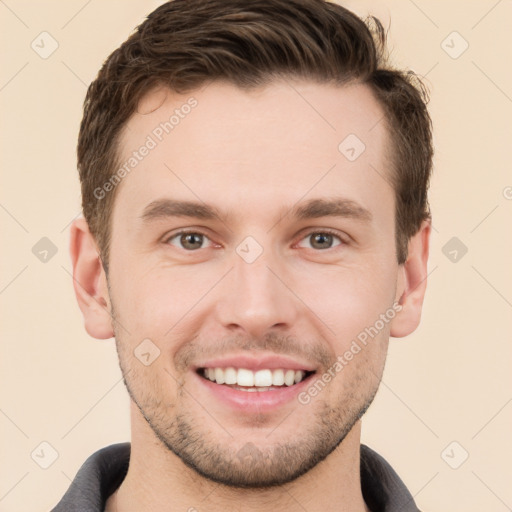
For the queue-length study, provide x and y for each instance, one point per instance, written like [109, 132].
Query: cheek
[350, 299]
[151, 301]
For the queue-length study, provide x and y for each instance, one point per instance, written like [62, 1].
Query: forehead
[270, 146]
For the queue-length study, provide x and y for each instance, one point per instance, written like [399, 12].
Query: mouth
[262, 380]
[253, 383]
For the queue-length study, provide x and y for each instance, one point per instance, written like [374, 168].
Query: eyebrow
[165, 208]
[333, 207]
[314, 208]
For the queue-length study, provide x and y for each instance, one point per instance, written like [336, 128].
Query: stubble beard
[248, 465]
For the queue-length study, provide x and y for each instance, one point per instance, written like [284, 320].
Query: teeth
[261, 380]
[289, 377]
[230, 376]
[278, 377]
[243, 378]
[219, 375]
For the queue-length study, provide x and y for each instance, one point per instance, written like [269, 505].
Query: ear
[90, 282]
[412, 283]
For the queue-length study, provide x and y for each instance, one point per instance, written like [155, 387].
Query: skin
[254, 155]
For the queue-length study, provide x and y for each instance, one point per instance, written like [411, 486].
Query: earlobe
[90, 282]
[412, 283]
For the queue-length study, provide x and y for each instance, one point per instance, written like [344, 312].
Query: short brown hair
[185, 44]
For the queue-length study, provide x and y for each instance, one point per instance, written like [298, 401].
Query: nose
[257, 297]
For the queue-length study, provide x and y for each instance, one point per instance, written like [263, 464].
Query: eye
[188, 240]
[321, 240]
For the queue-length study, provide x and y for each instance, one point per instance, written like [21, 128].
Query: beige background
[450, 381]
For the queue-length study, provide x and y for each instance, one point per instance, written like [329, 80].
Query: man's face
[265, 284]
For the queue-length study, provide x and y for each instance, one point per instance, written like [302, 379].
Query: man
[254, 183]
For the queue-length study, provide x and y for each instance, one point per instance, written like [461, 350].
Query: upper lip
[257, 362]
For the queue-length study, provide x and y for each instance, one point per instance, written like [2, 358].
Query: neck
[157, 480]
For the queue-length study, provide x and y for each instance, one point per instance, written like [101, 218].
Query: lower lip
[254, 401]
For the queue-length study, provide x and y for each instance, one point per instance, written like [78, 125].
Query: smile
[244, 379]
[261, 381]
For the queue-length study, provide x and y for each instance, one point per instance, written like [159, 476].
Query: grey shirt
[102, 473]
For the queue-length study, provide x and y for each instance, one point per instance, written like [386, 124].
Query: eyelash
[308, 234]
